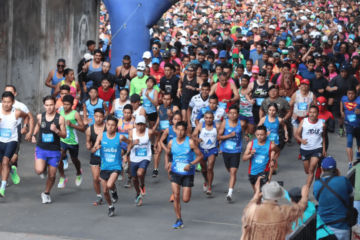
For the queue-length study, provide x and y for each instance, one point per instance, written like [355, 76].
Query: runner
[230, 136]
[126, 123]
[109, 144]
[119, 103]
[106, 93]
[73, 122]
[219, 113]
[140, 155]
[350, 111]
[150, 101]
[92, 66]
[259, 152]
[165, 114]
[51, 127]
[56, 75]
[137, 109]
[9, 117]
[206, 135]
[93, 103]
[311, 134]
[245, 114]
[69, 80]
[64, 90]
[95, 160]
[181, 149]
[198, 102]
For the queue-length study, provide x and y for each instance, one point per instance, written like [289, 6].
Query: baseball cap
[135, 98]
[276, 55]
[88, 56]
[318, 69]
[275, 86]
[201, 53]
[249, 34]
[146, 55]
[255, 69]
[141, 66]
[295, 193]
[166, 54]
[303, 18]
[337, 48]
[324, 39]
[167, 39]
[222, 54]
[328, 163]
[272, 27]
[262, 72]
[155, 61]
[305, 81]
[140, 119]
[343, 68]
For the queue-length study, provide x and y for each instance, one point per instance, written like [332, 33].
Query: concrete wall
[34, 34]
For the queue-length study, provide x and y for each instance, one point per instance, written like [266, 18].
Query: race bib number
[180, 167]
[97, 153]
[47, 137]
[109, 157]
[352, 117]
[147, 104]
[222, 105]
[164, 124]
[230, 145]
[260, 159]
[5, 132]
[259, 101]
[119, 113]
[302, 105]
[273, 137]
[141, 152]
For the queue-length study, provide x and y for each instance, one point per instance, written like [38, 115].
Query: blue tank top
[260, 160]
[91, 70]
[163, 117]
[91, 108]
[171, 134]
[233, 144]
[55, 81]
[182, 156]
[147, 105]
[273, 127]
[110, 153]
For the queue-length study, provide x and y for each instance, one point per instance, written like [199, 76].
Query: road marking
[230, 224]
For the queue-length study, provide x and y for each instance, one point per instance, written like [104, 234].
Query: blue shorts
[7, 149]
[250, 120]
[307, 154]
[208, 152]
[50, 157]
[134, 166]
[73, 149]
[352, 132]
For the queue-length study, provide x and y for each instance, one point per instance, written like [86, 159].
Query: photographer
[260, 217]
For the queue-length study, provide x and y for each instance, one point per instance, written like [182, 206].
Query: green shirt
[139, 83]
[71, 136]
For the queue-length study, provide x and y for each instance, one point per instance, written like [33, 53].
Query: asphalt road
[72, 214]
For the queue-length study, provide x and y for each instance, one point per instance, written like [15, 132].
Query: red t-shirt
[108, 96]
[157, 74]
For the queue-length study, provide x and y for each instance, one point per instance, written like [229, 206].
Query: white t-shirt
[313, 133]
[197, 103]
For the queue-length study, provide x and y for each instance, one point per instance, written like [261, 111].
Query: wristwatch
[25, 125]
[274, 160]
[57, 131]
[191, 165]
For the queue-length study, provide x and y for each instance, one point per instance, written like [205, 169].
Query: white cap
[272, 27]
[303, 18]
[88, 56]
[184, 33]
[307, 10]
[324, 39]
[255, 26]
[296, 30]
[343, 10]
[140, 119]
[183, 41]
[339, 28]
[141, 66]
[146, 55]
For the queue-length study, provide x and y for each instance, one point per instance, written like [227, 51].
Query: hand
[324, 152]
[357, 111]
[28, 137]
[224, 101]
[85, 89]
[23, 130]
[232, 134]
[88, 146]
[78, 97]
[198, 140]
[84, 69]
[253, 151]
[305, 191]
[97, 147]
[68, 123]
[168, 166]
[286, 137]
[294, 116]
[334, 88]
[272, 165]
[53, 127]
[187, 168]
[343, 114]
[304, 141]
[321, 90]
[136, 142]
[169, 113]
[252, 101]
[147, 95]
[178, 94]
[88, 120]
[33, 139]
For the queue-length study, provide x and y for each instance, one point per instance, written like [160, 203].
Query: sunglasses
[261, 75]
[196, 39]
[191, 70]
[155, 48]
[126, 63]
[60, 66]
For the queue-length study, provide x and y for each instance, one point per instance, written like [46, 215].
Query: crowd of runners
[223, 80]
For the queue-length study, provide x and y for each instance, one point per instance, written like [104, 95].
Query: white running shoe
[45, 198]
[66, 162]
[78, 179]
[229, 197]
[44, 174]
[205, 186]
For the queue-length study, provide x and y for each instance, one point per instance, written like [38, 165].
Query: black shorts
[152, 116]
[182, 180]
[17, 151]
[73, 149]
[254, 178]
[7, 150]
[307, 154]
[105, 174]
[231, 160]
[95, 160]
[336, 109]
[184, 105]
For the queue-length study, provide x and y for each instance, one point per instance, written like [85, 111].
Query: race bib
[164, 124]
[259, 101]
[147, 104]
[323, 120]
[352, 117]
[230, 145]
[273, 137]
[67, 133]
[119, 113]
[302, 105]
[222, 105]
[260, 159]
[109, 157]
[47, 137]
[180, 167]
[5, 132]
[141, 152]
[97, 153]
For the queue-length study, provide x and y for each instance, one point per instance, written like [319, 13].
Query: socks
[111, 206]
[99, 195]
[3, 184]
[230, 191]
[112, 190]
[47, 193]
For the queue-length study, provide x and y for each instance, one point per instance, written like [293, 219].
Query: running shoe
[44, 174]
[350, 165]
[2, 192]
[155, 173]
[299, 157]
[142, 192]
[128, 183]
[114, 196]
[111, 211]
[229, 197]
[138, 200]
[198, 168]
[66, 162]
[14, 176]
[78, 179]
[62, 182]
[172, 198]
[120, 177]
[45, 198]
[341, 132]
[179, 224]
[205, 186]
[209, 192]
[98, 201]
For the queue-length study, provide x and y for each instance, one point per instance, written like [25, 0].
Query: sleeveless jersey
[137, 111]
[172, 133]
[245, 106]
[233, 144]
[91, 70]
[302, 104]
[259, 93]
[142, 151]
[164, 119]
[119, 108]
[124, 128]
[72, 88]
[224, 93]
[209, 137]
[260, 160]
[313, 133]
[110, 152]
[71, 136]
[48, 140]
[219, 114]
[182, 156]
[91, 108]
[55, 81]
[273, 128]
[93, 137]
[188, 93]
[8, 127]
[148, 106]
